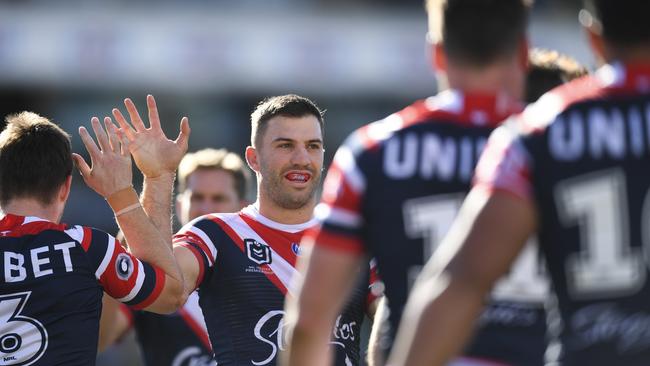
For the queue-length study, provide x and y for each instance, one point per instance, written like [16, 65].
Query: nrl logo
[258, 252]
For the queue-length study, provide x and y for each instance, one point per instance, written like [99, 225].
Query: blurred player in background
[54, 274]
[569, 168]
[515, 323]
[209, 180]
[396, 185]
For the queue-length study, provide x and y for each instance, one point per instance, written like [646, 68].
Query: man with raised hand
[54, 274]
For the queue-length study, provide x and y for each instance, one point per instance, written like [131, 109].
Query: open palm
[152, 151]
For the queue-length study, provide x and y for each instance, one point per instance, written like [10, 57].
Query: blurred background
[213, 61]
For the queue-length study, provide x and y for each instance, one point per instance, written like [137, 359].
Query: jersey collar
[253, 212]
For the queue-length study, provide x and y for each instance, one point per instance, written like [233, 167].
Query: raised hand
[153, 152]
[110, 169]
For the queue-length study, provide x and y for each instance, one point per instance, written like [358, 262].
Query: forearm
[156, 200]
[310, 345]
[437, 322]
[144, 239]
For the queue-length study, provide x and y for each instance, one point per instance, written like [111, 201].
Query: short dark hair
[548, 69]
[289, 105]
[213, 159]
[478, 32]
[35, 158]
[624, 22]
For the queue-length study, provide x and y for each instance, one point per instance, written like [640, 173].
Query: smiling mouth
[298, 177]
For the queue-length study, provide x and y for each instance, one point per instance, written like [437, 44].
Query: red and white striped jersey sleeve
[123, 276]
[197, 236]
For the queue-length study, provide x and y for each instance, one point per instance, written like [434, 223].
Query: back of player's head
[35, 158]
[289, 105]
[477, 32]
[220, 159]
[623, 22]
[548, 69]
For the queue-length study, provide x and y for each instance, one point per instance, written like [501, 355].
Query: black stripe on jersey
[214, 232]
[148, 285]
[197, 248]
[97, 248]
[335, 229]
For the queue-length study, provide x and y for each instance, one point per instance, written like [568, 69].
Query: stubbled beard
[280, 194]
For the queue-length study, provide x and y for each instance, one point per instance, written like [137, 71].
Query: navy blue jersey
[246, 268]
[392, 192]
[51, 290]
[581, 155]
[178, 339]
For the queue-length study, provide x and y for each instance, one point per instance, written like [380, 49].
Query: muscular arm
[321, 296]
[110, 175]
[485, 239]
[157, 157]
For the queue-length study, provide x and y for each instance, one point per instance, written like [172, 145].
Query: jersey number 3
[23, 340]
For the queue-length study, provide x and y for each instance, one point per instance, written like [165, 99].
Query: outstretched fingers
[184, 134]
[136, 120]
[154, 118]
[125, 127]
[89, 143]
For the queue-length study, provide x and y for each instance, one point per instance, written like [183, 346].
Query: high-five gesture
[153, 152]
[111, 161]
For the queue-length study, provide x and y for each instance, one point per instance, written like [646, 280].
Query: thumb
[81, 164]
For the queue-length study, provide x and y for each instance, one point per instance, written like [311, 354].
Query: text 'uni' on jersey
[53, 278]
[393, 190]
[581, 156]
[247, 264]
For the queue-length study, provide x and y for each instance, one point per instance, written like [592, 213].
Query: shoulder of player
[538, 116]
[373, 134]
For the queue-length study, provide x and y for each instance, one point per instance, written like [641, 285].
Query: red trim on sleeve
[336, 242]
[190, 237]
[199, 258]
[160, 284]
[88, 235]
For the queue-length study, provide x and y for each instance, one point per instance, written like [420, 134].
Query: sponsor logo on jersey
[259, 253]
[295, 248]
[123, 266]
[193, 356]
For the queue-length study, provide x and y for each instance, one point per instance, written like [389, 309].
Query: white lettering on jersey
[274, 334]
[65, 251]
[192, 356]
[14, 262]
[431, 156]
[602, 134]
[40, 259]
[37, 262]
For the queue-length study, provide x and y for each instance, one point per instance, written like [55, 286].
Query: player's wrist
[123, 200]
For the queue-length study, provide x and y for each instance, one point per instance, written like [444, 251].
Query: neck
[505, 77]
[32, 207]
[287, 216]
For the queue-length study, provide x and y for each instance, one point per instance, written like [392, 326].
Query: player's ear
[251, 159]
[64, 191]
